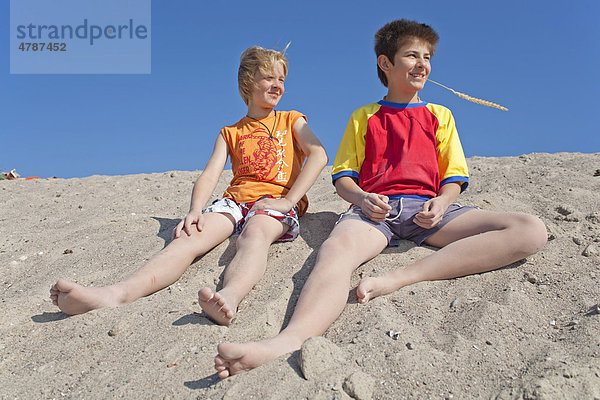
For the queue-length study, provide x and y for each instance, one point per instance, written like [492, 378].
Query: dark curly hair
[395, 34]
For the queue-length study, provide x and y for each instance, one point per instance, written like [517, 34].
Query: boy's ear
[384, 63]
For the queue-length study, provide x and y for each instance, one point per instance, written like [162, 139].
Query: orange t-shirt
[264, 163]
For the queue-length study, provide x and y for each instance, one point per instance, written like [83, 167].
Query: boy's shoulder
[291, 114]
[365, 112]
[367, 109]
[439, 110]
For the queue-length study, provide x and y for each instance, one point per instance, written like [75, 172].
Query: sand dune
[530, 330]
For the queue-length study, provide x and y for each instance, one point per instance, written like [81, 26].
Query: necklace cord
[266, 127]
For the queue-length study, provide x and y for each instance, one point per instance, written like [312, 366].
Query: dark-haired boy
[402, 167]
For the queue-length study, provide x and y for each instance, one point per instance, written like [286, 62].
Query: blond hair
[257, 59]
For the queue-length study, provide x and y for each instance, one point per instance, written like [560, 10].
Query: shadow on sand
[203, 383]
[49, 317]
[165, 230]
[193, 319]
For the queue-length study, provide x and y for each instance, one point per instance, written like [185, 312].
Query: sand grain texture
[530, 330]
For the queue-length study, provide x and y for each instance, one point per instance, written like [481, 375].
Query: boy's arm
[434, 209]
[373, 205]
[315, 162]
[203, 188]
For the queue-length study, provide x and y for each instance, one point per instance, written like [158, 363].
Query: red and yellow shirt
[402, 149]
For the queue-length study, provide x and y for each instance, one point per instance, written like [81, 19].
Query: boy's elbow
[318, 155]
[323, 157]
[208, 177]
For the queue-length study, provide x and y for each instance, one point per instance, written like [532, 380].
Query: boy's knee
[339, 247]
[184, 245]
[336, 245]
[335, 256]
[541, 233]
[534, 233]
[251, 235]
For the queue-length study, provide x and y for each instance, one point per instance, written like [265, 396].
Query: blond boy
[275, 159]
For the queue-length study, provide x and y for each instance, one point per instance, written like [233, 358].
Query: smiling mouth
[418, 75]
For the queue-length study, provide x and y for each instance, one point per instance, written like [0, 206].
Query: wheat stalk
[469, 98]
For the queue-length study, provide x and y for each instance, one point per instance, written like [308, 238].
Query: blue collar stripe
[401, 105]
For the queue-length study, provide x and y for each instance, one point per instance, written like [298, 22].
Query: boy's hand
[194, 220]
[282, 205]
[432, 214]
[375, 206]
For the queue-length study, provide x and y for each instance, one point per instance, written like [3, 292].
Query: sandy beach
[530, 330]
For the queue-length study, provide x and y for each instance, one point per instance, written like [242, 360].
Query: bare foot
[216, 306]
[371, 287]
[74, 299]
[234, 358]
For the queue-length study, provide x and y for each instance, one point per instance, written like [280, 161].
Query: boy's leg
[323, 297]
[159, 272]
[474, 242]
[245, 270]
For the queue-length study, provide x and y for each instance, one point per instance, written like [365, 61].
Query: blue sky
[540, 59]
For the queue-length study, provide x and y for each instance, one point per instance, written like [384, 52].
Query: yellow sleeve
[451, 158]
[351, 153]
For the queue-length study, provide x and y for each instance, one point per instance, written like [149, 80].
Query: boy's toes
[219, 361]
[221, 366]
[363, 291]
[223, 374]
[205, 294]
[215, 306]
